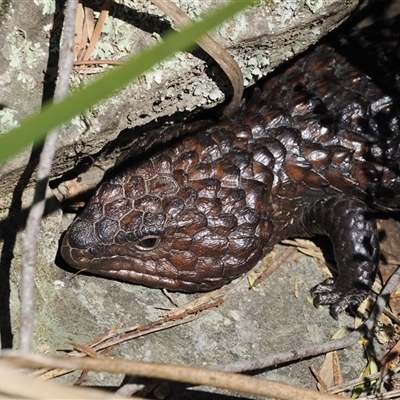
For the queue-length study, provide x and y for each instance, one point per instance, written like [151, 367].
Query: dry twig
[176, 373]
[98, 28]
[46, 158]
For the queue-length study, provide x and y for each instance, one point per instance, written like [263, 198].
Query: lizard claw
[339, 295]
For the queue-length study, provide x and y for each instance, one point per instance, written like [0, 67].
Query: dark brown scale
[313, 153]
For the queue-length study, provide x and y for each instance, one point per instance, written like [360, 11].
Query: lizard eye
[148, 243]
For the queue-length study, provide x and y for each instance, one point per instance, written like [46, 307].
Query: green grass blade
[35, 127]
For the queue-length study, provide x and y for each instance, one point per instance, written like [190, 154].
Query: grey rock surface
[76, 308]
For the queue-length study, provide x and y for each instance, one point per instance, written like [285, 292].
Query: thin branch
[98, 28]
[177, 373]
[133, 386]
[362, 381]
[17, 385]
[36, 212]
[98, 62]
[394, 394]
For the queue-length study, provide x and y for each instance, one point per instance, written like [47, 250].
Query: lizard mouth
[158, 282]
[131, 270]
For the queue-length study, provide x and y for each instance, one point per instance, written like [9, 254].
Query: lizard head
[176, 220]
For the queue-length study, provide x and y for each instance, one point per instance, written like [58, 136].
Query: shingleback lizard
[314, 152]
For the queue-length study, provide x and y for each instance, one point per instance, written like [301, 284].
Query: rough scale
[313, 153]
